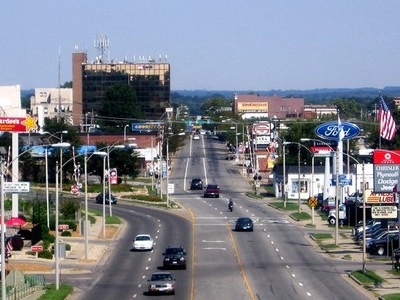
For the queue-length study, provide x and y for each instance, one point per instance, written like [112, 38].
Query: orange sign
[376, 198]
[12, 124]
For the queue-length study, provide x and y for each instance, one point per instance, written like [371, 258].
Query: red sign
[386, 157]
[12, 124]
[36, 248]
[63, 227]
[316, 149]
[74, 189]
[113, 176]
[262, 129]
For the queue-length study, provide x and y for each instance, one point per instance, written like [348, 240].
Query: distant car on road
[143, 242]
[161, 283]
[211, 190]
[196, 184]
[244, 224]
[196, 137]
[99, 198]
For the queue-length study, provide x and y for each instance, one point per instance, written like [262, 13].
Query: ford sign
[330, 130]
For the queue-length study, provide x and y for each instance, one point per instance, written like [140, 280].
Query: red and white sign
[13, 124]
[74, 189]
[63, 227]
[37, 248]
[113, 176]
[386, 157]
[262, 129]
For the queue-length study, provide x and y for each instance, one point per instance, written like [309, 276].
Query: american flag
[387, 123]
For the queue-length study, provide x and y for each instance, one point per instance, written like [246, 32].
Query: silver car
[161, 283]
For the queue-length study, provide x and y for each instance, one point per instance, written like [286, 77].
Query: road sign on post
[16, 187]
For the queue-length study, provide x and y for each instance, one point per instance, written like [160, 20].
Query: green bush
[46, 244]
[149, 198]
[49, 238]
[66, 233]
[68, 247]
[45, 254]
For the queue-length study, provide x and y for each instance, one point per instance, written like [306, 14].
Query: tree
[119, 104]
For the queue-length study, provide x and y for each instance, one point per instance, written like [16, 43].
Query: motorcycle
[230, 206]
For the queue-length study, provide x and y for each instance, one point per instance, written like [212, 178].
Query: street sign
[171, 188]
[16, 187]
[384, 212]
[37, 248]
[63, 227]
[74, 189]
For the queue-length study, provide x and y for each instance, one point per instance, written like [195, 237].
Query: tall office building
[149, 79]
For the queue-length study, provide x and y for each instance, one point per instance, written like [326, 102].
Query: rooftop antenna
[102, 43]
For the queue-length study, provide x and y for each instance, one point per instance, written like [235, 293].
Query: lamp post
[46, 154]
[284, 173]
[167, 169]
[86, 158]
[60, 139]
[298, 166]
[126, 126]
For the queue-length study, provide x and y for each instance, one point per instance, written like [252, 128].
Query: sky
[211, 45]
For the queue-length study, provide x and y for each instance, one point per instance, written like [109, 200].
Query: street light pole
[56, 248]
[167, 172]
[104, 197]
[126, 126]
[298, 178]
[3, 233]
[47, 187]
[284, 174]
[86, 208]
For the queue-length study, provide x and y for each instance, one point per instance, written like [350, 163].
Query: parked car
[355, 196]
[244, 224]
[384, 246]
[211, 190]
[143, 242]
[196, 184]
[174, 257]
[162, 283]
[109, 197]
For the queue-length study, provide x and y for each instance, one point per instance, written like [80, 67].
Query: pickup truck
[211, 190]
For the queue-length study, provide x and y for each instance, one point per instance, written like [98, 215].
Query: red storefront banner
[13, 124]
[386, 157]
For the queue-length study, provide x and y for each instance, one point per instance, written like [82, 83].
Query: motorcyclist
[230, 204]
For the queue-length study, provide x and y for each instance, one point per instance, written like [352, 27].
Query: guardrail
[24, 286]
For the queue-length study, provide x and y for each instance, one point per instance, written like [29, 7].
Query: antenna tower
[101, 43]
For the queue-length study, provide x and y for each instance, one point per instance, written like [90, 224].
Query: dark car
[211, 190]
[99, 198]
[244, 224]
[174, 257]
[196, 184]
[385, 245]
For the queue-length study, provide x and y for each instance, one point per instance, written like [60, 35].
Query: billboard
[16, 124]
[252, 107]
[152, 126]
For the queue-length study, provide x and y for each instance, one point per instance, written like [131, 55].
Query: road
[276, 261]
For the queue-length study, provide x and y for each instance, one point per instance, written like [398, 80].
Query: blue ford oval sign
[330, 131]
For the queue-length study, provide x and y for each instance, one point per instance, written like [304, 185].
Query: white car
[143, 242]
[196, 137]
